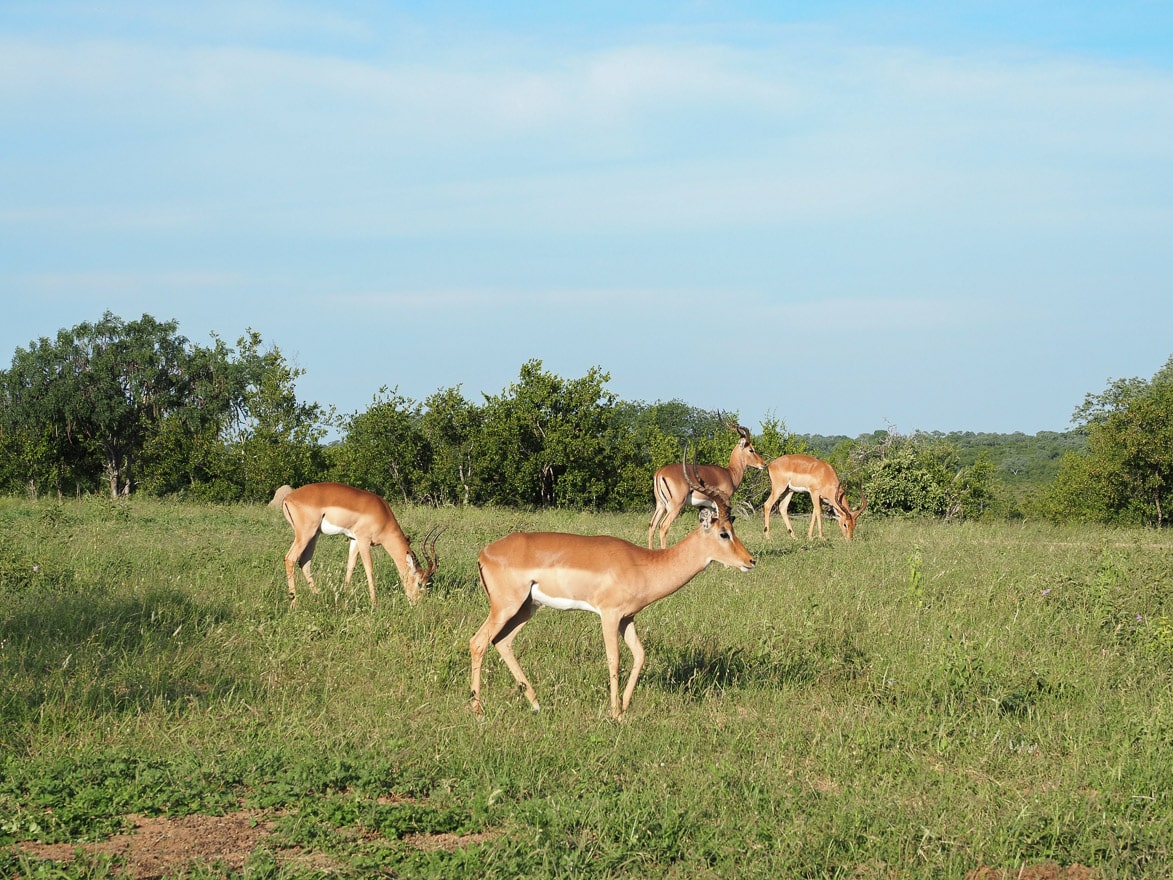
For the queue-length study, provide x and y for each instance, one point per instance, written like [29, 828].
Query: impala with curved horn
[805, 473]
[673, 493]
[366, 519]
[609, 576]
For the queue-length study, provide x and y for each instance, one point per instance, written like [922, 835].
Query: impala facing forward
[672, 489]
[366, 519]
[804, 473]
[609, 576]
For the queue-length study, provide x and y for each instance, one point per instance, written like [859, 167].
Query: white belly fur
[328, 528]
[559, 603]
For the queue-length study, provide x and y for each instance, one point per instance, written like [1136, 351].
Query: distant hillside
[1024, 461]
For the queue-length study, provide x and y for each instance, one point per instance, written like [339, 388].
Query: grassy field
[929, 701]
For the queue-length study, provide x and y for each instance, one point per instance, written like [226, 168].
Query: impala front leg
[364, 552]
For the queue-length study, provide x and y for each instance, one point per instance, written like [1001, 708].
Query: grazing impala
[609, 576]
[364, 517]
[804, 473]
[672, 490]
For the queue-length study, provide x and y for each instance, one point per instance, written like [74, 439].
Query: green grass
[921, 702]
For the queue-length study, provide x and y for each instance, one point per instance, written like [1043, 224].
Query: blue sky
[843, 215]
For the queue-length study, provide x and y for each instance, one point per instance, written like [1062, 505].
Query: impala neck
[681, 563]
[395, 543]
[737, 465]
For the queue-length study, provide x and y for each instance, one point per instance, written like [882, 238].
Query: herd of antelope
[614, 578]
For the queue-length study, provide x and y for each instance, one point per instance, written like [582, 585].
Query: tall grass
[923, 701]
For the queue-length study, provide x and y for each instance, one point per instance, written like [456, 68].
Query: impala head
[845, 516]
[421, 577]
[716, 525]
[745, 447]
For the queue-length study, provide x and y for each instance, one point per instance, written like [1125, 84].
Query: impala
[672, 489]
[609, 576]
[365, 518]
[804, 473]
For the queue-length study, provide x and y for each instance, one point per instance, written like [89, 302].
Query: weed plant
[920, 702]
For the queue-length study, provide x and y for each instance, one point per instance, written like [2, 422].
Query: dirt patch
[1046, 871]
[448, 842]
[160, 846]
[163, 847]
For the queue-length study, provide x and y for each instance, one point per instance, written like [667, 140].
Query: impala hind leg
[666, 523]
[500, 628]
[661, 519]
[504, 645]
[656, 516]
[784, 509]
[771, 502]
[667, 509]
[627, 630]
[300, 557]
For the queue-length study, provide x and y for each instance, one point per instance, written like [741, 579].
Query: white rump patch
[328, 528]
[560, 603]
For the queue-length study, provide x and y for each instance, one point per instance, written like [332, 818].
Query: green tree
[92, 399]
[1085, 490]
[450, 426]
[1126, 474]
[188, 451]
[278, 437]
[975, 492]
[384, 450]
[905, 475]
[29, 458]
[136, 406]
[548, 440]
[674, 429]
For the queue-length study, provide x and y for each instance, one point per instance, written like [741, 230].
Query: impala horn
[428, 551]
[735, 428]
[719, 499]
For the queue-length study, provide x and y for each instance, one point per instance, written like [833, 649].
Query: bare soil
[163, 847]
[1046, 871]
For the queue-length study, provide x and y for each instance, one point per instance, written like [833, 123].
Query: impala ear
[706, 516]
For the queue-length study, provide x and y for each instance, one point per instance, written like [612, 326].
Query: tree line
[117, 407]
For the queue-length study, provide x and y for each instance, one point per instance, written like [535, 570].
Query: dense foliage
[135, 406]
[1126, 474]
[121, 407]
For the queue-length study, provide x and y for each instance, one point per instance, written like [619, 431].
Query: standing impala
[609, 576]
[804, 473]
[672, 489]
[365, 518]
